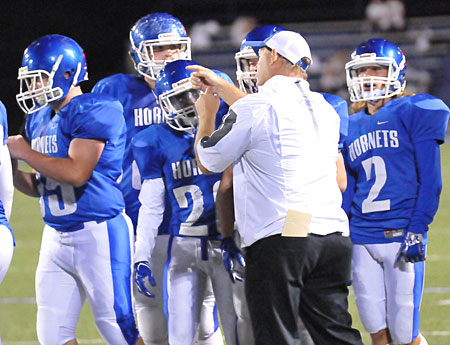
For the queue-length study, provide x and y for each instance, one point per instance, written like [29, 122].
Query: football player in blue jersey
[166, 160]
[392, 157]
[154, 40]
[77, 144]
[6, 198]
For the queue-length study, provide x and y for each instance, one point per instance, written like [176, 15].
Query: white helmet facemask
[367, 88]
[148, 66]
[178, 106]
[245, 77]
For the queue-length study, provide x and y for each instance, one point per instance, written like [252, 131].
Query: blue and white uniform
[87, 241]
[166, 161]
[381, 158]
[6, 196]
[140, 110]
[394, 183]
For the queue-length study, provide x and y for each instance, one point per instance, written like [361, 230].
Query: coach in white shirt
[282, 142]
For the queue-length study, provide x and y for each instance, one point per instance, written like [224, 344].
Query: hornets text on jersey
[63, 206]
[162, 152]
[380, 152]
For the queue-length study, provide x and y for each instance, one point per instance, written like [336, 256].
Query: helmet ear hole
[54, 58]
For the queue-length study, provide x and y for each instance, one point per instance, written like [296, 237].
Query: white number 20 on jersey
[186, 228]
[370, 204]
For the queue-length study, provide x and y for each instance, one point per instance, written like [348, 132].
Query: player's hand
[412, 248]
[230, 252]
[204, 77]
[18, 147]
[207, 105]
[141, 271]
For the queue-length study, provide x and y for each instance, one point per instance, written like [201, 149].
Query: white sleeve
[228, 143]
[6, 180]
[150, 217]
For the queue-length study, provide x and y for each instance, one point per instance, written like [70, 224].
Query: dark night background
[102, 27]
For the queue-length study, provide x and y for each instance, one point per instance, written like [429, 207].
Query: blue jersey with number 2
[379, 153]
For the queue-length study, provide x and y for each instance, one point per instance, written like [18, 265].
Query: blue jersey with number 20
[161, 152]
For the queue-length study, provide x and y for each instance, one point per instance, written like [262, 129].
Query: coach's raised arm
[207, 106]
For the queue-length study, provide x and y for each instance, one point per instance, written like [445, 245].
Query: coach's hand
[412, 248]
[203, 77]
[230, 252]
[141, 271]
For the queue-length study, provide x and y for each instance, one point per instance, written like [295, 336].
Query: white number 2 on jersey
[186, 228]
[369, 204]
[66, 198]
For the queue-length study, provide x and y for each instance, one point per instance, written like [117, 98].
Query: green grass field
[18, 309]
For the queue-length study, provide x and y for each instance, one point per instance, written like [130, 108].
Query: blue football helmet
[152, 31]
[376, 52]
[177, 96]
[254, 40]
[51, 66]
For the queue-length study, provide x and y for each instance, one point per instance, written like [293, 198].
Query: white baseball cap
[290, 45]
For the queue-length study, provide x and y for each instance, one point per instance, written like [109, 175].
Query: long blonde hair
[358, 106]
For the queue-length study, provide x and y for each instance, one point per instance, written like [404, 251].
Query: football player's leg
[182, 288]
[104, 263]
[369, 287]
[152, 322]
[208, 332]
[59, 295]
[223, 292]
[6, 250]
[404, 287]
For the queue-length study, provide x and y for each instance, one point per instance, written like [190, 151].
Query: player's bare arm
[341, 175]
[24, 181]
[225, 203]
[75, 169]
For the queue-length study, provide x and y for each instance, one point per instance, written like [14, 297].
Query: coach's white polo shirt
[283, 142]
